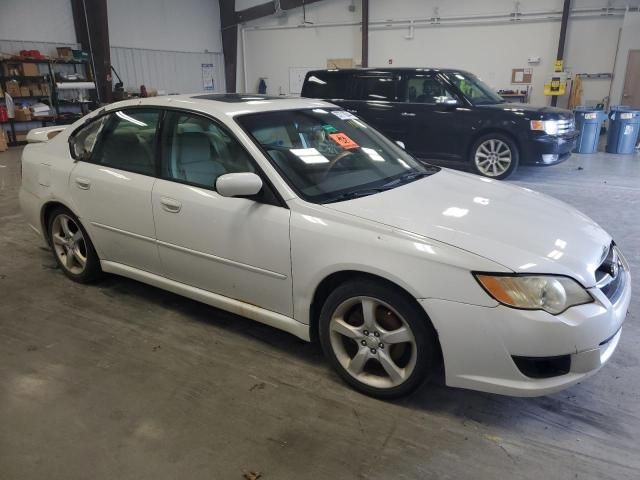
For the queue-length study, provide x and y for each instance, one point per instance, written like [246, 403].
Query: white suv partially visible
[297, 214]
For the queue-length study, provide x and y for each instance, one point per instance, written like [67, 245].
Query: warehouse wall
[52, 21]
[162, 44]
[490, 51]
[629, 40]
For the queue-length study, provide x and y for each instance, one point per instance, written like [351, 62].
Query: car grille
[566, 125]
[611, 274]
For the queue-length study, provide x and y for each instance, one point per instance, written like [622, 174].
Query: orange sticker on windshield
[343, 140]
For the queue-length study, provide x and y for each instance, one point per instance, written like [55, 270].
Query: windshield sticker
[329, 128]
[342, 115]
[343, 140]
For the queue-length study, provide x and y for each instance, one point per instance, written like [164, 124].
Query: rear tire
[494, 155]
[72, 247]
[377, 339]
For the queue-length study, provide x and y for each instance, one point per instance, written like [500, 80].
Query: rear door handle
[351, 110]
[408, 114]
[83, 183]
[170, 205]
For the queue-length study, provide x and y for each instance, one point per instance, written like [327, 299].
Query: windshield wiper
[358, 193]
[408, 177]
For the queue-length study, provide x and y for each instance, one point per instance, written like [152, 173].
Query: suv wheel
[494, 156]
[378, 341]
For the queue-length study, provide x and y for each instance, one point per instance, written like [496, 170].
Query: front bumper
[542, 149]
[479, 343]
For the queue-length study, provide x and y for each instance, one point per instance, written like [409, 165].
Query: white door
[236, 247]
[111, 187]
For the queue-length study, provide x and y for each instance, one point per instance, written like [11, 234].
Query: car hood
[532, 111]
[522, 230]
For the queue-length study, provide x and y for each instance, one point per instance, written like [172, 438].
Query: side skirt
[243, 309]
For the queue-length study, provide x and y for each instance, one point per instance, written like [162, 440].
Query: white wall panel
[171, 25]
[490, 51]
[37, 20]
[173, 72]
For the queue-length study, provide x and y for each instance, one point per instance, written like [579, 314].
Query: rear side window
[128, 141]
[85, 140]
[325, 85]
[427, 89]
[379, 87]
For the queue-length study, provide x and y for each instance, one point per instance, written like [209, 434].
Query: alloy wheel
[493, 157]
[69, 244]
[373, 342]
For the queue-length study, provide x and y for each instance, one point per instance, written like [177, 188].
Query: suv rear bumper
[547, 149]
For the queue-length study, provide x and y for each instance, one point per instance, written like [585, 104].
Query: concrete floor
[124, 381]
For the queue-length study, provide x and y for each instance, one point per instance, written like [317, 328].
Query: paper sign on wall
[207, 76]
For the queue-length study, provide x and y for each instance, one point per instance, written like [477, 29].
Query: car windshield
[330, 155]
[476, 91]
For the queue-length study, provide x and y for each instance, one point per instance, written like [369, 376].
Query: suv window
[198, 150]
[128, 141]
[378, 87]
[325, 85]
[427, 89]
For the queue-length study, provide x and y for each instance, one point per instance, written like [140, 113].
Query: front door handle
[408, 114]
[83, 183]
[170, 205]
[351, 110]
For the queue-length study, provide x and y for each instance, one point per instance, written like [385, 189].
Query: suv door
[431, 117]
[111, 186]
[236, 247]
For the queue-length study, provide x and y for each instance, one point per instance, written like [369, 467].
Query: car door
[372, 97]
[235, 247]
[111, 186]
[431, 117]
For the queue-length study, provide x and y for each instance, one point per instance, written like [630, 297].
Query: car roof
[390, 69]
[229, 104]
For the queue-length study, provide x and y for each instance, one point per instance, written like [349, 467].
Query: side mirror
[238, 184]
[400, 143]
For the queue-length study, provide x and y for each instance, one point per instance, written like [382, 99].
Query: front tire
[495, 156]
[72, 247]
[377, 339]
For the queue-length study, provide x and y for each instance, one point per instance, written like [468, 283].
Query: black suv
[449, 115]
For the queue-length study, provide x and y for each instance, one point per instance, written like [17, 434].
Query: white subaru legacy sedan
[297, 214]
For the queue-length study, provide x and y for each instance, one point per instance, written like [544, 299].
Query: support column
[92, 33]
[229, 42]
[563, 36]
[365, 33]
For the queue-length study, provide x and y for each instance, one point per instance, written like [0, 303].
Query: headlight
[550, 127]
[535, 292]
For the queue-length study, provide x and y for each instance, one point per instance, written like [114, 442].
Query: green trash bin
[588, 123]
[624, 126]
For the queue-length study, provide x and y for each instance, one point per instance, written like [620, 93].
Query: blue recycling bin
[588, 123]
[624, 125]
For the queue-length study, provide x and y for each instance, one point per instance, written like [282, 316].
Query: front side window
[427, 89]
[476, 91]
[330, 155]
[128, 141]
[374, 88]
[197, 151]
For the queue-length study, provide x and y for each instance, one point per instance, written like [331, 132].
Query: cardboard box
[4, 142]
[23, 115]
[13, 88]
[65, 53]
[30, 70]
[21, 137]
[24, 92]
[45, 89]
[36, 91]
